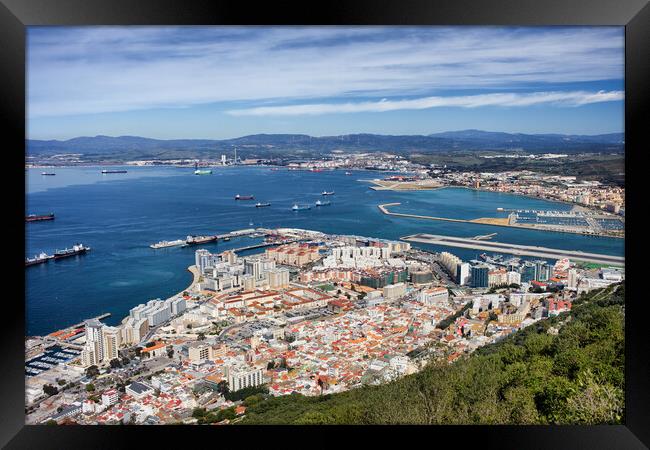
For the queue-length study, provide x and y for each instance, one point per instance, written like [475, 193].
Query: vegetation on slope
[533, 376]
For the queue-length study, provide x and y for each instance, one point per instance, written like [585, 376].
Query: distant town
[313, 314]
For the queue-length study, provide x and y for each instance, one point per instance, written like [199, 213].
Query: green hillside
[532, 377]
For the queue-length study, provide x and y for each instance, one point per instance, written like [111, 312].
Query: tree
[125, 361]
[92, 371]
[90, 387]
[115, 363]
[60, 382]
[198, 413]
[50, 390]
[200, 337]
[170, 353]
[138, 350]
[51, 422]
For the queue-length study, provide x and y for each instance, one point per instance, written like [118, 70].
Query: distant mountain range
[277, 145]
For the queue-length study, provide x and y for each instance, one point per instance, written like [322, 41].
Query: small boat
[226, 239]
[348, 173]
[261, 205]
[48, 174]
[113, 171]
[327, 193]
[319, 203]
[295, 207]
[202, 172]
[244, 197]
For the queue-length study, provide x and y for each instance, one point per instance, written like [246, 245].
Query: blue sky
[224, 82]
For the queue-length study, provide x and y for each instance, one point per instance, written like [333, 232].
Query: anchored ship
[113, 171]
[192, 240]
[163, 244]
[48, 174]
[38, 259]
[327, 193]
[319, 203]
[244, 197]
[36, 217]
[77, 249]
[261, 205]
[295, 207]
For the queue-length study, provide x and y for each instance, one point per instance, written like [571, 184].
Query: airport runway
[514, 249]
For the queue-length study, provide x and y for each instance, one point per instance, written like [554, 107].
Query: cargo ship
[77, 249]
[38, 259]
[261, 205]
[113, 171]
[37, 217]
[193, 240]
[163, 244]
[327, 193]
[319, 203]
[48, 174]
[244, 197]
[295, 207]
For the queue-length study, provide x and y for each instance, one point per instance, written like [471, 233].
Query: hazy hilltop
[300, 145]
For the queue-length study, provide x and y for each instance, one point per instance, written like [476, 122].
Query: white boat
[163, 244]
[327, 193]
[319, 203]
[295, 207]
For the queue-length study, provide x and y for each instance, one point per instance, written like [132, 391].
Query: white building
[139, 390]
[112, 340]
[434, 296]
[243, 376]
[110, 397]
[93, 351]
[513, 277]
[462, 273]
[393, 291]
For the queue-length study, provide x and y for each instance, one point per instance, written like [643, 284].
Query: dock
[514, 249]
[232, 234]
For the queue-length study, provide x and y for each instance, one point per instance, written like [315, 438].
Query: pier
[232, 234]
[514, 249]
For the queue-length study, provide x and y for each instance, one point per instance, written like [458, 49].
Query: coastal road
[514, 249]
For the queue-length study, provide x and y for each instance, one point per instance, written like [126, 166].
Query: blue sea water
[120, 215]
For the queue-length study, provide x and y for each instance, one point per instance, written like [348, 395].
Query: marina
[51, 357]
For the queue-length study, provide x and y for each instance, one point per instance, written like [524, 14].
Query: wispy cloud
[575, 98]
[106, 69]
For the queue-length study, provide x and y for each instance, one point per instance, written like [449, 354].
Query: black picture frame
[15, 15]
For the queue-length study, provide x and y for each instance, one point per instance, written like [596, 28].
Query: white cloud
[575, 98]
[106, 69]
